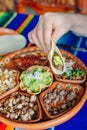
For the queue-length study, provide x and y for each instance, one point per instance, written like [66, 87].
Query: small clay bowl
[70, 88]
[7, 61]
[42, 86]
[79, 63]
[16, 96]
[29, 58]
[15, 88]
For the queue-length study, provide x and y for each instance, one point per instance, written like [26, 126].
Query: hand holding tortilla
[56, 60]
[55, 25]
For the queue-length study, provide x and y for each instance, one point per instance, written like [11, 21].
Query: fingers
[47, 32]
[33, 39]
[41, 35]
[46, 29]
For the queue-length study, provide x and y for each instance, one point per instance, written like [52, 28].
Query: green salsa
[57, 61]
[35, 78]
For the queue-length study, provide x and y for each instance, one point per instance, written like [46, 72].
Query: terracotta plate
[45, 122]
[75, 69]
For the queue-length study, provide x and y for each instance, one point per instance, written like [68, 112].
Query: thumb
[56, 35]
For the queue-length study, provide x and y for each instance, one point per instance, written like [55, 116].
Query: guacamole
[57, 59]
[34, 79]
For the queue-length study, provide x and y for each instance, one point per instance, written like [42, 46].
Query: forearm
[55, 25]
[79, 24]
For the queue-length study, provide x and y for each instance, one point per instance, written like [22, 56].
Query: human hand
[50, 25]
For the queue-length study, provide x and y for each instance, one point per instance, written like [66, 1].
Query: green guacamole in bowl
[36, 78]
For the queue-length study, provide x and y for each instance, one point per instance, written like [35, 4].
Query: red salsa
[28, 59]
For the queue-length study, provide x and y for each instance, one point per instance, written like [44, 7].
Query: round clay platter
[45, 123]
